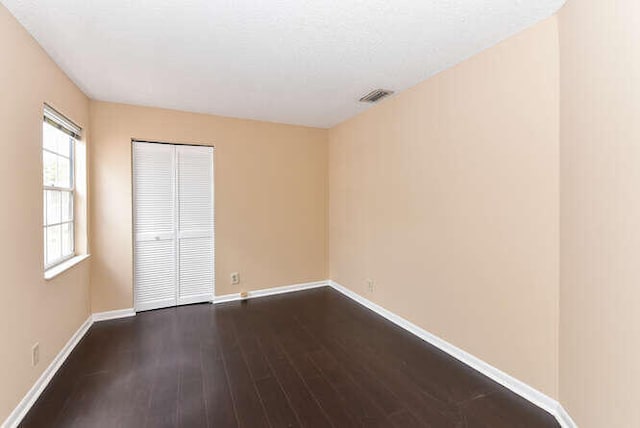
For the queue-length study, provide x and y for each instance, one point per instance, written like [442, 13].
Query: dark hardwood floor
[312, 359]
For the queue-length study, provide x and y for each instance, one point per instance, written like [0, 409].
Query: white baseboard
[531, 394]
[563, 417]
[30, 398]
[270, 291]
[527, 392]
[14, 419]
[112, 315]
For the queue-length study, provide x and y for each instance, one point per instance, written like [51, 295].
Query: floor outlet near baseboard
[370, 286]
[235, 278]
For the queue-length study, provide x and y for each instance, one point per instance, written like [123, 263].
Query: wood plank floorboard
[306, 359]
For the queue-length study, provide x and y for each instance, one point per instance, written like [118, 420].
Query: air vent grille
[375, 96]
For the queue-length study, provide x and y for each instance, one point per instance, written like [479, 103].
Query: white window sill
[64, 266]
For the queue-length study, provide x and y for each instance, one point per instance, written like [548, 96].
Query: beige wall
[31, 309]
[600, 212]
[447, 197]
[270, 190]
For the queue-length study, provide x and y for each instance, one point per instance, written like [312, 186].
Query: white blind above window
[58, 120]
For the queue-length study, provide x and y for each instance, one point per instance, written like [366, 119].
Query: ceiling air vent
[375, 96]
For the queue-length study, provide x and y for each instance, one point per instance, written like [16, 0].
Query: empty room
[305, 213]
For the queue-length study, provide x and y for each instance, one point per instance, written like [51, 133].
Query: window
[58, 146]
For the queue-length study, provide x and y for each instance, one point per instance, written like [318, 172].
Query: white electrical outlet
[235, 278]
[370, 286]
[35, 354]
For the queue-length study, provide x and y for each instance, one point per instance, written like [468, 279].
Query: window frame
[55, 119]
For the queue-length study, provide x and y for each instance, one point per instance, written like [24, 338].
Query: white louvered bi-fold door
[195, 224]
[154, 225]
[173, 225]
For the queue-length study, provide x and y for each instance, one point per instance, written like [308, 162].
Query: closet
[173, 221]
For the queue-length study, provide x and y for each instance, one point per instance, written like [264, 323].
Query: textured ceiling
[302, 62]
